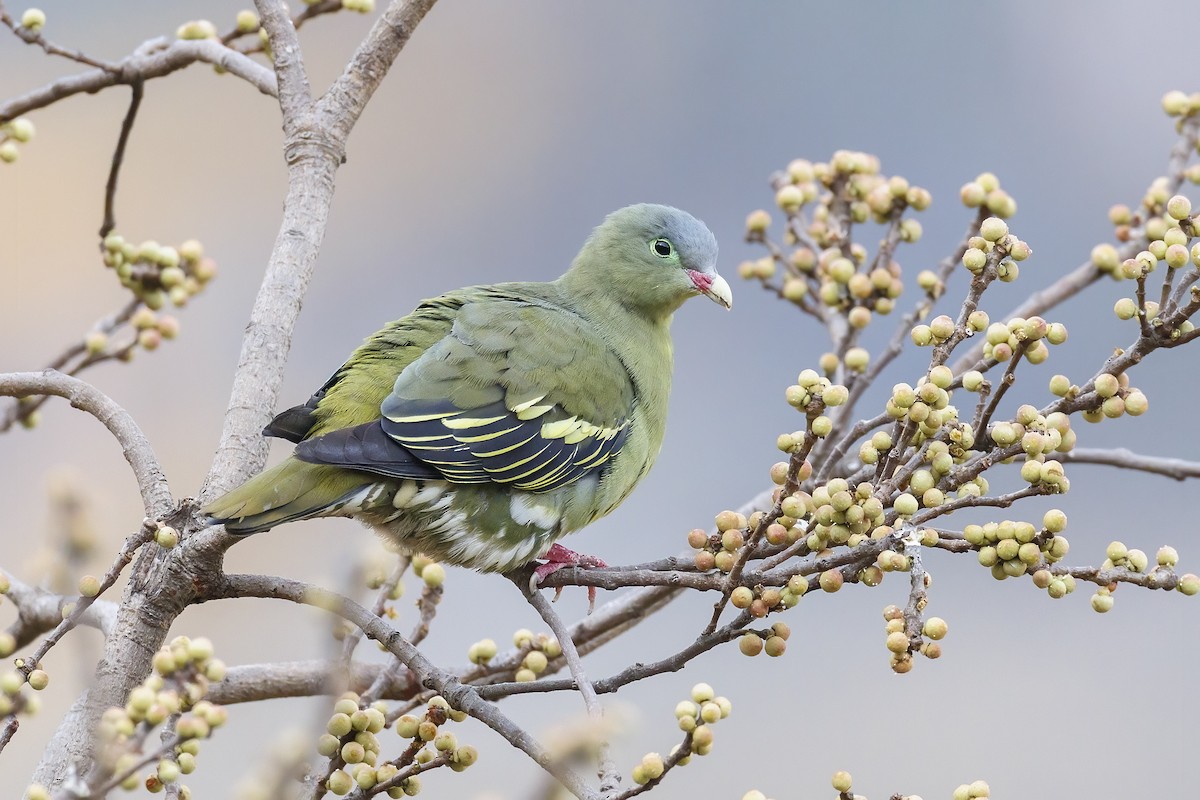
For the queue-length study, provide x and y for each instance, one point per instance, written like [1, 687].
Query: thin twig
[36, 38]
[610, 779]
[137, 90]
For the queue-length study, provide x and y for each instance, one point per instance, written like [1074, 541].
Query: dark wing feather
[295, 423]
[368, 448]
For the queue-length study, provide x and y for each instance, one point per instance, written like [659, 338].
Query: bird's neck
[642, 340]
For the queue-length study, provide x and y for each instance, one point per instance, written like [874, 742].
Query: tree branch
[40, 610]
[251, 682]
[342, 104]
[295, 95]
[1176, 468]
[610, 779]
[152, 483]
[153, 59]
[110, 188]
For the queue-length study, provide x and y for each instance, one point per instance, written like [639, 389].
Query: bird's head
[652, 258]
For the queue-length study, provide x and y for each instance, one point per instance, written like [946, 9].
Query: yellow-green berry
[247, 21]
[841, 781]
[33, 19]
[166, 537]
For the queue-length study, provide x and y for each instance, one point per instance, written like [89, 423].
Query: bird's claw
[558, 557]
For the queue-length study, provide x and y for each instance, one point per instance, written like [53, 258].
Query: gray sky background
[504, 134]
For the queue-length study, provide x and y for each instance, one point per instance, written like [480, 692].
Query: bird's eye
[662, 248]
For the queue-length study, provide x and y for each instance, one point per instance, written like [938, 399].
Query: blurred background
[505, 132]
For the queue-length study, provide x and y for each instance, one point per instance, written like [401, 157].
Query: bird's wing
[353, 393]
[519, 393]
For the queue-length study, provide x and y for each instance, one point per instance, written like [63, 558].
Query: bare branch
[152, 483]
[251, 682]
[154, 59]
[340, 107]
[295, 95]
[36, 38]
[110, 188]
[610, 779]
[1176, 468]
[39, 610]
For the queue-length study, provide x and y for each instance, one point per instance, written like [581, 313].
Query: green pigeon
[493, 420]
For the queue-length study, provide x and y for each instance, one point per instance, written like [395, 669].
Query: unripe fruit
[831, 580]
[536, 661]
[702, 693]
[993, 229]
[1189, 584]
[33, 19]
[166, 537]
[841, 781]
[1175, 103]
[353, 753]
[247, 21]
[38, 679]
[789, 197]
[1136, 403]
[434, 575]
[935, 628]
[1107, 385]
[905, 504]
[1137, 560]
[339, 782]
[1179, 207]
[972, 194]
[728, 520]
[1167, 556]
[168, 771]
[757, 222]
[974, 259]
[775, 646]
[407, 726]
[95, 343]
[339, 725]
[897, 642]
[1102, 603]
[196, 29]
[328, 744]
[1125, 308]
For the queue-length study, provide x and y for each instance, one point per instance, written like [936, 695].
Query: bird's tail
[290, 491]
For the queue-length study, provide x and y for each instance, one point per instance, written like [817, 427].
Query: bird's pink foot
[558, 557]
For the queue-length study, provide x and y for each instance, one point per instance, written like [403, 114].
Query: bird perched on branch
[493, 420]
